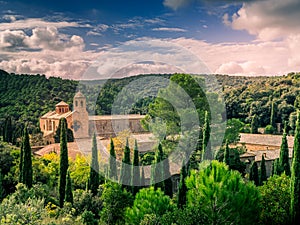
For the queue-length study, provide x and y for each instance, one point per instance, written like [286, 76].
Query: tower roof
[62, 103]
[79, 95]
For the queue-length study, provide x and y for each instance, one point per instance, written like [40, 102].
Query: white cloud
[170, 29]
[12, 40]
[33, 23]
[176, 4]
[268, 20]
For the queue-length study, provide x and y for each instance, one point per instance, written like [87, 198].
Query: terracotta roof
[269, 154]
[79, 95]
[117, 117]
[265, 139]
[62, 103]
[54, 115]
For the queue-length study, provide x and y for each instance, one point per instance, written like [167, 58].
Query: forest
[217, 191]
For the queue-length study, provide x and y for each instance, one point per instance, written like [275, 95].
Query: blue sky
[63, 38]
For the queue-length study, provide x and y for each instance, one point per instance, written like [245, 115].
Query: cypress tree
[284, 155]
[157, 169]
[263, 172]
[112, 172]
[254, 124]
[8, 130]
[276, 170]
[143, 181]
[1, 186]
[272, 116]
[69, 192]
[21, 163]
[295, 176]
[206, 151]
[94, 179]
[254, 173]
[63, 164]
[182, 190]
[226, 159]
[135, 179]
[168, 184]
[125, 176]
[26, 177]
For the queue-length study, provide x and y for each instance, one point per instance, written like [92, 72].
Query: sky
[95, 38]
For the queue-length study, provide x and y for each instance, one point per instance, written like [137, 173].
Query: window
[76, 103]
[81, 103]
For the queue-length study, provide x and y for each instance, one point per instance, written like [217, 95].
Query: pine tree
[182, 190]
[94, 179]
[112, 172]
[125, 176]
[26, 177]
[254, 173]
[206, 151]
[135, 178]
[63, 164]
[284, 154]
[262, 171]
[69, 192]
[295, 176]
[254, 124]
[226, 159]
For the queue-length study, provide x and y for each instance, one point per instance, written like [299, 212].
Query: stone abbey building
[83, 125]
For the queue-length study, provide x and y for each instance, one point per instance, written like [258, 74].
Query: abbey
[84, 125]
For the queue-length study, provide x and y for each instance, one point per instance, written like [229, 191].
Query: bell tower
[80, 123]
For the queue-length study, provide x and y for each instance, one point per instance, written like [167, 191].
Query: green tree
[63, 163]
[26, 177]
[206, 150]
[94, 179]
[125, 176]
[115, 200]
[112, 172]
[148, 201]
[2, 192]
[8, 130]
[262, 171]
[21, 163]
[182, 190]
[272, 116]
[222, 195]
[295, 176]
[254, 173]
[70, 135]
[157, 169]
[143, 181]
[254, 124]
[227, 154]
[69, 191]
[275, 199]
[135, 179]
[233, 130]
[284, 154]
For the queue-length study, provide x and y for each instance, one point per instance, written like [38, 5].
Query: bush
[269, 129]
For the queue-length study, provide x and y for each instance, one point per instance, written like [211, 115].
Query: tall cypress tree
[272, 116]
[262, 171]
[125, 176]
[143, 181]
[276, 170]
[26, 177]
[226, 159]
[94, 179]
[21, 163]
[8, 130]
[157, 169]
[206, 151]
[64, 163]
[295, 176]
[254, 173]
[112, 171]
[135, 179]
[254, 124]
[69, 192]
[284, 155]
[182, 190]
[1, 186]
[168, 184]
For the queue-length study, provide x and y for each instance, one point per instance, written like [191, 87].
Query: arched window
[81, 103]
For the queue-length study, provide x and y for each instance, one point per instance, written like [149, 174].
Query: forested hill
[27, 97]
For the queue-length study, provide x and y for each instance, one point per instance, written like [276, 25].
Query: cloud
[235, 68]
[13, 40]
[176, 4]
[268, 20]
[33, 23]
[98, 30]
[170, 29]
